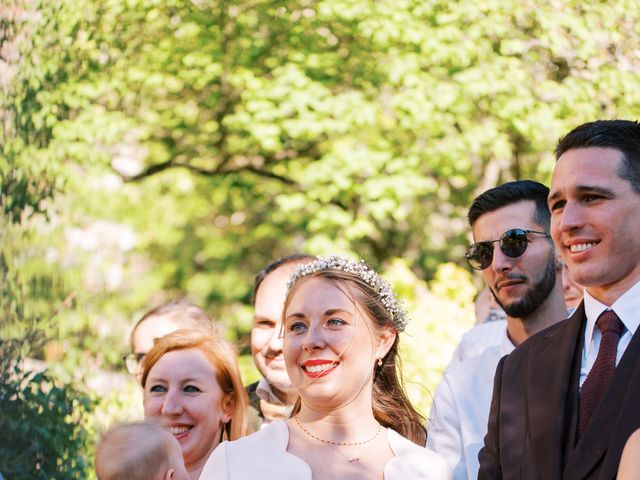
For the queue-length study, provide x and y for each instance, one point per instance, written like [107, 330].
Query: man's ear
[386, 337]
[170, 474]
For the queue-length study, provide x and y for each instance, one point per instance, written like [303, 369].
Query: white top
[479, 338]
[460, 410]
[264, 455]
[627, 308]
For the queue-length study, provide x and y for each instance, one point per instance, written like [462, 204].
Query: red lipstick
[319, 368]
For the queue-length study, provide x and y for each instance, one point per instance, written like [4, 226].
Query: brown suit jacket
[254, 411]
[533, 417]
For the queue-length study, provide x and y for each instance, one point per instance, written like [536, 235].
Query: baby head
[139, 451]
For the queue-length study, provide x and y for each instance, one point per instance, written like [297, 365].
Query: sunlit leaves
[228, 133]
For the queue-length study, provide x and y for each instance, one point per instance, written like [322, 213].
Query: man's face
[595, 221]
[266, 334]
[520, 285]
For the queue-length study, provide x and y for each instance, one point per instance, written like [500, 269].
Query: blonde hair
[138, 451]
[222, 357]
[391, 406]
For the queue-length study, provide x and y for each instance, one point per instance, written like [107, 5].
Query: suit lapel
[609, 427]
[549, 369]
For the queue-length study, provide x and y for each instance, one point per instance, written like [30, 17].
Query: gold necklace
[331, 442]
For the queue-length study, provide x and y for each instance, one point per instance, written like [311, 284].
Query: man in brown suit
[566, 401]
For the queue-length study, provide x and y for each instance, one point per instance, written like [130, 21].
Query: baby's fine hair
[136, 451]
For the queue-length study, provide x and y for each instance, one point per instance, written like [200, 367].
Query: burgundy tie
[600, 375]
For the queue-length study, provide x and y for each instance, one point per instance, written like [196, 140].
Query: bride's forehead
[317, 284]
[321, 289]
[325, 293]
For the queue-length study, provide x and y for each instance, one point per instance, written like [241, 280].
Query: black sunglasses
[513, 243]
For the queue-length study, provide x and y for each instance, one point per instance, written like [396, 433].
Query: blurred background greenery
[161, 149]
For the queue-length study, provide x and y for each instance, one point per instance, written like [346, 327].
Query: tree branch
[149, 171]
[153, 169]
[247, 168]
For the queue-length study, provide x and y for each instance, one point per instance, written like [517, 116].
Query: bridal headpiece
[363, 271]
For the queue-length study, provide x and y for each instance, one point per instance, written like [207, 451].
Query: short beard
[535, 296]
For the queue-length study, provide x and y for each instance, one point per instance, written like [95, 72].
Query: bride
[352, 419]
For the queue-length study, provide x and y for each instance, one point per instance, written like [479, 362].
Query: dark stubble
[535, 296]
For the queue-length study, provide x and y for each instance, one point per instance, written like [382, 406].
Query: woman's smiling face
[182, 390]
[330, 348]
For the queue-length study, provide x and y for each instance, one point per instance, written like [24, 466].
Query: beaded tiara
[366, 274]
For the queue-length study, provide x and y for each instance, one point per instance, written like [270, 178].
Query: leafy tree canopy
[200, 139]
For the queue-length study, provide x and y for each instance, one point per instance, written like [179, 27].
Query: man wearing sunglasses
[566, 401]
[515, 254]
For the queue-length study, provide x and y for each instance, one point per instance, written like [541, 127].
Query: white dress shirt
[479, 338]
[627, 307]
[460, 410]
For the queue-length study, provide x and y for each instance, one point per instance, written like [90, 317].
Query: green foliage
[248, 370]
[160, 149]
[438, 320]
[43, 419]
[219, 135]
[43, 424]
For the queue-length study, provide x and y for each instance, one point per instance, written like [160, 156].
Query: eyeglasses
[513, 243]
[132, 362]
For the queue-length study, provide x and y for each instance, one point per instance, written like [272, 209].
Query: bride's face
[330, 347]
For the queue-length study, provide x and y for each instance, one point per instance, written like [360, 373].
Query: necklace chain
[331, 442]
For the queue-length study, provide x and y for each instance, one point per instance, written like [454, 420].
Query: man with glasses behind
[514, 252]
[161, 321]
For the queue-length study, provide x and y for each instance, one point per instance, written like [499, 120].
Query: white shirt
[460, 410]
[479, 338]
[627, 308]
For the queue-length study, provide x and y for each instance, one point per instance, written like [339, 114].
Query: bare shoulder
[630, 463]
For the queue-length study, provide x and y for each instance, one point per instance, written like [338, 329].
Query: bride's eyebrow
[331, 311]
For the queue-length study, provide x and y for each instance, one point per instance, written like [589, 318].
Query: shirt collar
[626, 307]
[264, 392]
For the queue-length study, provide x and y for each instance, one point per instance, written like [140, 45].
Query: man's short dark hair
[509, 193]
[276, 264]
[623, 135]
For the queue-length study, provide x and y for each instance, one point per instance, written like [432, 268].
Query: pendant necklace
[333, 444]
